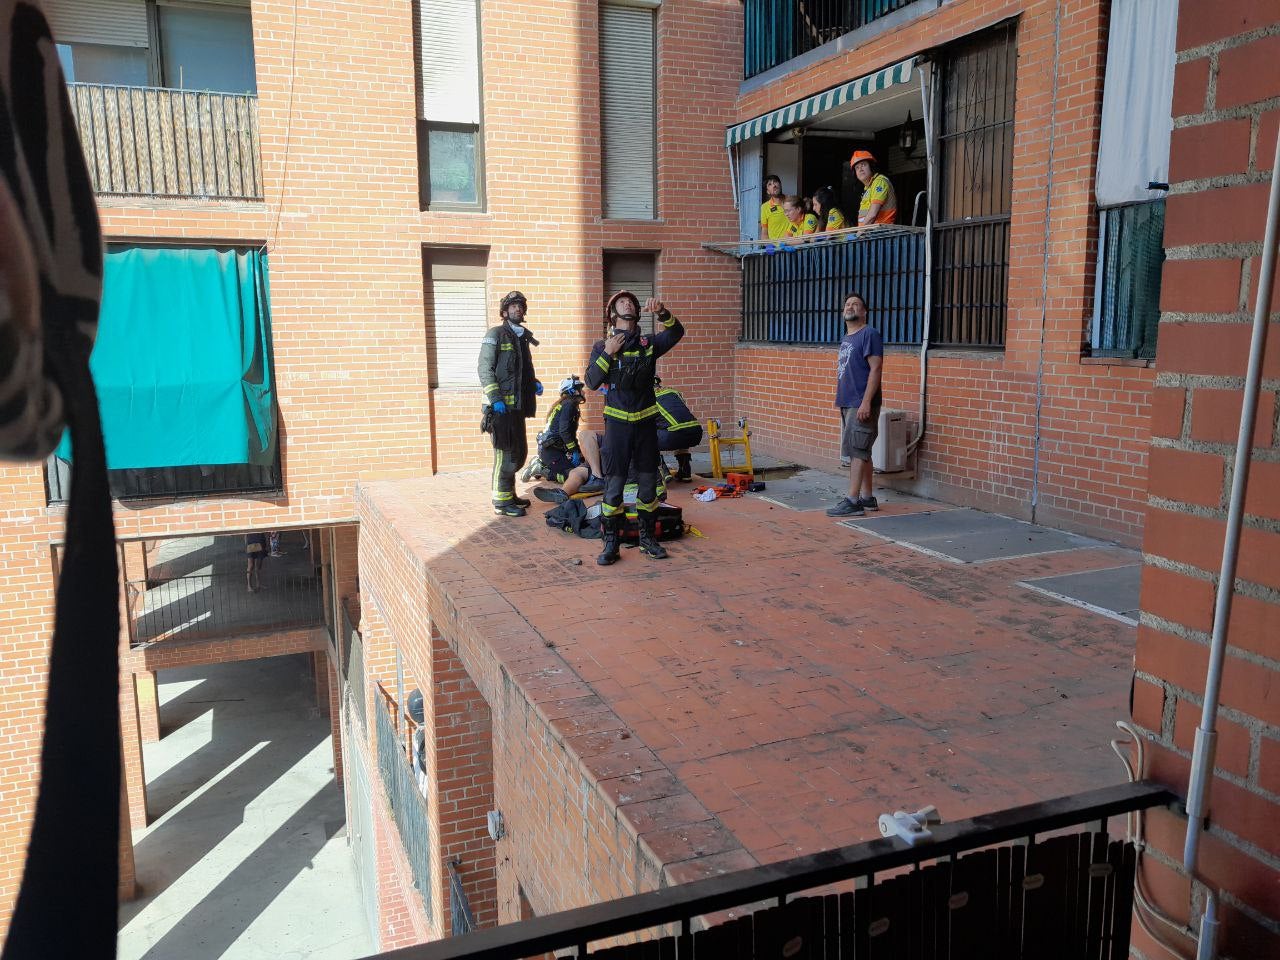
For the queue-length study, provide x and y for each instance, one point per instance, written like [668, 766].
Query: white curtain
[1137, 101]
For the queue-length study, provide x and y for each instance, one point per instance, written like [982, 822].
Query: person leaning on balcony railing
[773, 221]
[800, 223]
[830, 217]
[879, 202]
[510, 391]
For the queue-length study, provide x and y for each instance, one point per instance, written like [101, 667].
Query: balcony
[998, 885]
[792, 294]
[159, 142]
[776, 31]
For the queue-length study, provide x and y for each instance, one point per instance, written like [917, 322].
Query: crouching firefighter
[626, 363]
[567, 457]
[510, 392]
[678, 430]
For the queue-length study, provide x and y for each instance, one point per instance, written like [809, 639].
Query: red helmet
[861, 155]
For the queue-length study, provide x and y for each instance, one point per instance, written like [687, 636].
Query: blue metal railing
[408, 809]
[795, 295]
[775, 31]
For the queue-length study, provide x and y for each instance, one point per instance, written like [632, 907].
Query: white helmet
[572, 384]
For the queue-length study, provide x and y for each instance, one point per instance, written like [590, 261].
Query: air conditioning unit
[889, 453]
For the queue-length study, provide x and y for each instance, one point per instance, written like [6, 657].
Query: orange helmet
[861, 155]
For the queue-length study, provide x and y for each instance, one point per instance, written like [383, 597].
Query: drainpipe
[1206, 735]
[926, 99]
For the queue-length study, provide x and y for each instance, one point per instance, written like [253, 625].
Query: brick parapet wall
[1226, 106]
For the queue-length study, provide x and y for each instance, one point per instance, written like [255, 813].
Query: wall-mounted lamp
[907, 136]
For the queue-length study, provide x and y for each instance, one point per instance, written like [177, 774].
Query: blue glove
[499, 406]
[537, 387]
[576, 458]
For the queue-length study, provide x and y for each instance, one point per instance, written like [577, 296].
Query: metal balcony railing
[408, 808]
[992, 886]
[219, 605]
[795, 294]
[207, 481]
[775, 31]
[158, 142]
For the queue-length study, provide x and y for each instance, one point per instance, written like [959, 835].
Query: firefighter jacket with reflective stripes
[674, 410]
[561, 432]
[506, 369]
[629, 373]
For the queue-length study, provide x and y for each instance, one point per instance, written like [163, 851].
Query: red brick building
[397, 195]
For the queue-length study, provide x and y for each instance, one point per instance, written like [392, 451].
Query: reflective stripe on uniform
[647, 507]
[609, 510]
[631, 417]
[602, 362]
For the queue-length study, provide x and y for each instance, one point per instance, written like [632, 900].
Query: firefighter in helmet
[511, 390]
[626, 363]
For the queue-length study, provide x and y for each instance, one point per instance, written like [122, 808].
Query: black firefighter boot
[649, 544]
[685, 472]
[609, 533]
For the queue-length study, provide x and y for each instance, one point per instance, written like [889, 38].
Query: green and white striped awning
[812, 107]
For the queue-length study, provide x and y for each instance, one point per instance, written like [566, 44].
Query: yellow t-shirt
[880, 190]
[773, 219]
[835, 219]
[808, 224]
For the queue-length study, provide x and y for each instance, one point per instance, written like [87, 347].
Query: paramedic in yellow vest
[773, 222]
[830, 217]
[879, 201]
[799, 223]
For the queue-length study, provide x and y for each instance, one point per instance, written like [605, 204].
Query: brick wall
[1226, 107]
[980, 447]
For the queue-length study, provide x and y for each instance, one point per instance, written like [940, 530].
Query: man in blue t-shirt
[858, 397]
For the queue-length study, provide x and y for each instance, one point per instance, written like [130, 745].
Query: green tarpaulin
[182, 361]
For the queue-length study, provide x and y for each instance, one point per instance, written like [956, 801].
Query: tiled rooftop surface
[793, 677]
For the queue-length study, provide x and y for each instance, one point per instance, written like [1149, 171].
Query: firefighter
[568, 459]
[510, 392]
[678, 428]
[626, 363]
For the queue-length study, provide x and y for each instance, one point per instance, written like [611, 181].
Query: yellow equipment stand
[716, 441]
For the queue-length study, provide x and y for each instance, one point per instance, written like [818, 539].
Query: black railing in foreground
[1064, 896]
[774, 31]
[217, 480]
[218, 605]
[159, 142]
[795, 294]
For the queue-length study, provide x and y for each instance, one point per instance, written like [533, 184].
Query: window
[628, 120]
[202, 45]
[450, 145]
[634, 271]
[975, 190]
[1133, 164]
[456, 315]
[1130, 261]
[207, 47]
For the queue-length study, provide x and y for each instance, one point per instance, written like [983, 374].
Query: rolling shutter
[634, 272]
[449, 61]
[119, 23]
[628, 124]
[460, 323]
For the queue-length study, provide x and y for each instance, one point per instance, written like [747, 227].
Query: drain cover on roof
[970, 536]
[1112, 592]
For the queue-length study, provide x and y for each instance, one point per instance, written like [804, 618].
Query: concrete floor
[247, 857]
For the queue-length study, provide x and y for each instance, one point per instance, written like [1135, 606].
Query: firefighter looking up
[511, 390]
[627, 363]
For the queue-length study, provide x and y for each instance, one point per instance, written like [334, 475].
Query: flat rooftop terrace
[782, 680]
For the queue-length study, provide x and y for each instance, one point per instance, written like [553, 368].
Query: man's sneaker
[869, 503]
[550, 494]
[847, 508]
[592, 486]
[845, 462]
[508, 509]
[534, 469]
